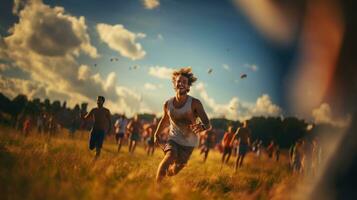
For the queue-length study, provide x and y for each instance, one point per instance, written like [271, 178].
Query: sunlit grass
[62, 168]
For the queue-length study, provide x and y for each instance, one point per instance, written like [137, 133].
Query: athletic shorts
[119, 136]
[96, 139]
[180, 152]
[150, 142]
[227, 150]
[135, 136]
[243, 149]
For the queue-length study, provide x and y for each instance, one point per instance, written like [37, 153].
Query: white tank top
[180, 120]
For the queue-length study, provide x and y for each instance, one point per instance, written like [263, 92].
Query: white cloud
[151, 4]
[323, 115]
[150, 86]
[45, 44]
[236, 109]
[122, 40]
[226, 67]
[161, 72]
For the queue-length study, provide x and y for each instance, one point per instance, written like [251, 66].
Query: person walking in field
[227, 143]
[120, 130]
[102, 125]
[181, 113]
[208, 140]
[298, 156]
[134, 129]
[243, 135]
[151, 137]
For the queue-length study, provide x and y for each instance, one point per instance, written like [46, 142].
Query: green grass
[63, 168]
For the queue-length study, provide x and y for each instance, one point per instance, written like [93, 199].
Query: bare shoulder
[196, 102]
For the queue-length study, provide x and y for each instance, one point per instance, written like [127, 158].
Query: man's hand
[197, 128]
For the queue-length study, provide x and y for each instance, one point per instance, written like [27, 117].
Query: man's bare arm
[88, 115]
[109, 121]
[162, 124]
[235, 136]
[201, 113]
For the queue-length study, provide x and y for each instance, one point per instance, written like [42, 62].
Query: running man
[102, 125]
[120, 130]
[243, 135]
[208, 138]
[134, 128]
[182, 113]
[151, 137]
[227, 143]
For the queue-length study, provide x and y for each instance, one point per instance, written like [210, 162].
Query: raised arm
[164, 121]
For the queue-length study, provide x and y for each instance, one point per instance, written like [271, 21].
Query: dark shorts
[96, 139]
[180, 152]
[135, 136]
[119, 136]
[227, 150]
[243, 149]
[150, 142]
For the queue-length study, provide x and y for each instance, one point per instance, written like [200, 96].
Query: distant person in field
[135, 129]
[182, 113]
[208, 141]
[277, 153]
[298, 156]
[151, 137]
[120, 130]
[271, 149]
[102, 125]
[243, 135]
[227, 144]
[26, 126]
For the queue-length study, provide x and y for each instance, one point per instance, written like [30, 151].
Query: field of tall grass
[36, 167]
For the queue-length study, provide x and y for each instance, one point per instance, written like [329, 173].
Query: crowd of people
[183, 126]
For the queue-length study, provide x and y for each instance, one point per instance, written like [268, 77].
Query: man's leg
[165, 164]
[206, 155]
[241, 160]
[120, 141]
[99, 143]
[183, 155]
[229, 155]
[130, 145]
[92, 141]
[237, 163]
[133, 147]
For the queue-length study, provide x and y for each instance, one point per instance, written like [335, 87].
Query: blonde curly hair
[186, 72]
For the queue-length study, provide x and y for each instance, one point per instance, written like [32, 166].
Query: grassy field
[63, 168]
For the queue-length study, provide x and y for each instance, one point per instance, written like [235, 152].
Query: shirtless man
[180, 112]
[243, 135]
[102, 125]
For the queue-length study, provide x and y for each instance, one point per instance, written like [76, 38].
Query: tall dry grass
[36, 167]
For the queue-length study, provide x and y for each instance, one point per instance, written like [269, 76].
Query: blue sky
[200, 34]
